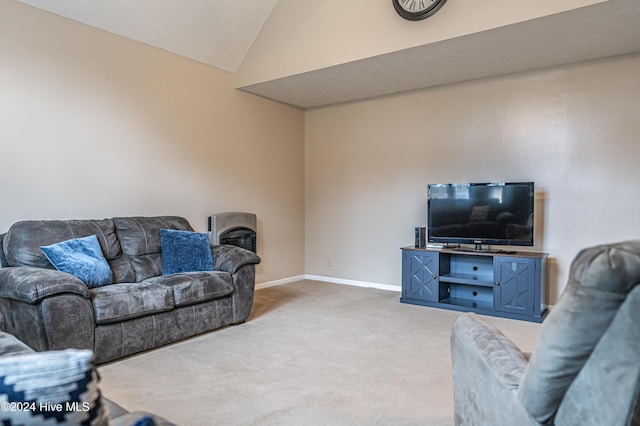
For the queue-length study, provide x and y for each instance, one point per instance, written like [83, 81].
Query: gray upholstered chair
[585, 369]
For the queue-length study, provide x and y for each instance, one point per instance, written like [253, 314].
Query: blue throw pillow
[185, 251]
[53, 387]
[81, 257]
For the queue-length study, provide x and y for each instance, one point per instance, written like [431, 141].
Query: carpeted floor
[311, 353]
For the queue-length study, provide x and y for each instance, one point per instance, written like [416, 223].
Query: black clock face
[414, 10]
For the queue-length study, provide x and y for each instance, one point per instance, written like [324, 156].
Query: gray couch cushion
[23, 240]
[120, 302]
[140, 241]
[605, 391]
[195, 287]
[599, 281]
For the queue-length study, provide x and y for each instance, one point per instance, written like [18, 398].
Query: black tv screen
[480, 213]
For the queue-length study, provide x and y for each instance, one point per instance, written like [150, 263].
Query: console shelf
[467, 279]
[509, 285]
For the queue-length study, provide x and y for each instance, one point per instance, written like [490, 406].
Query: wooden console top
[506, 252]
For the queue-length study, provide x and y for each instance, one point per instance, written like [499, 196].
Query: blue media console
[502, 284]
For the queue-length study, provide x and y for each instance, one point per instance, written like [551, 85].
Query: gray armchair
[585, 369]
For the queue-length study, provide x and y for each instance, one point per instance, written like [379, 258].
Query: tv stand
[500, 283]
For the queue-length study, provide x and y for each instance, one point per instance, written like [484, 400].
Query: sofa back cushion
[607, 389]
[599, 281]
[140, 241]
[21, 244]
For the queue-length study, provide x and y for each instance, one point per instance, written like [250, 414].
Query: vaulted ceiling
[217, 33]
[221, 32]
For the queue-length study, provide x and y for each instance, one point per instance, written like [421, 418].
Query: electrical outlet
[329, 262]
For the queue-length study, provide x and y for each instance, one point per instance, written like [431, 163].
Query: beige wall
[302, 36]
[572, 129]
[93, 125]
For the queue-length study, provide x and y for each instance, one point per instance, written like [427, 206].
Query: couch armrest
[487, 371]
[32, 284]
[500, 354]
[240, 263]
[10, 345]
[231, 258]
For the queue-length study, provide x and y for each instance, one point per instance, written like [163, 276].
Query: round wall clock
[414, 10]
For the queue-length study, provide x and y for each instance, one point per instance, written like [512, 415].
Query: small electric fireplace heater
[233, 228]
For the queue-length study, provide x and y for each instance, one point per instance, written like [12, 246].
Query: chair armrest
[10, 345]
[32, 284]
[487, 371]
[501, 355]
[231, 258]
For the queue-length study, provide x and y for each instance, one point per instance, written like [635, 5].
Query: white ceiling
[220, 33]
[217, 33]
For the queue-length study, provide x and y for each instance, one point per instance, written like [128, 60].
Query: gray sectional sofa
[140, 309]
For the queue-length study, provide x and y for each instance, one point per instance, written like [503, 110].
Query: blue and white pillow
[54, 387]
[81, 257]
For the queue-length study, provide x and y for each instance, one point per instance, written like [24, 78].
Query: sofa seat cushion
[195, 287]
[124, 301]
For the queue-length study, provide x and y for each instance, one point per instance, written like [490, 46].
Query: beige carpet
[311, 353]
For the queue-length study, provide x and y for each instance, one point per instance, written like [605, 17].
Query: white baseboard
[280, 282]
[332, 280]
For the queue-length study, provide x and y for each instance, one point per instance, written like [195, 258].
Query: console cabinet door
[514, 288]
[420, 275]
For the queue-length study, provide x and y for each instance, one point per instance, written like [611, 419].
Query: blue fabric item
[185, 251]
[145, 421]
[81, 257]
[54, 387]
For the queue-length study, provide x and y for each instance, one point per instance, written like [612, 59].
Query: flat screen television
[480, 213]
